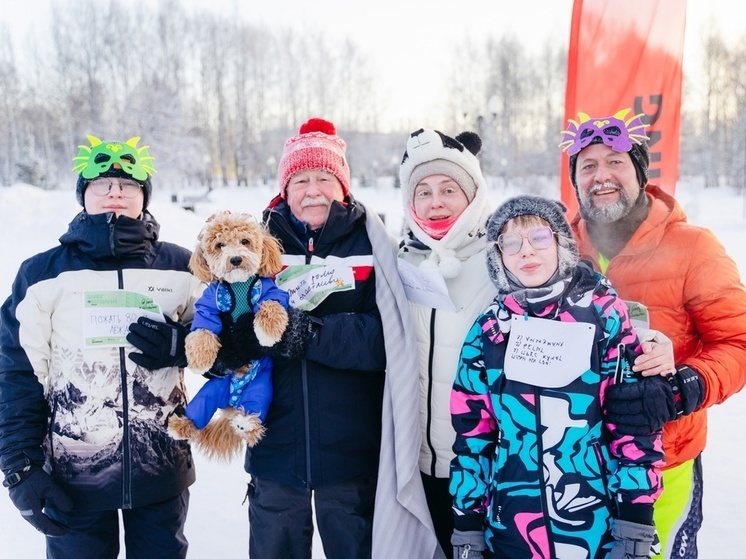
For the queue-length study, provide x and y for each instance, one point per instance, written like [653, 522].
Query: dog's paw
[181, 428]
[201, 347]
[249, 427]
[270, 323]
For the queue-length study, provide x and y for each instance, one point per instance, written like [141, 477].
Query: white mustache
[319, 200]
[606, 184]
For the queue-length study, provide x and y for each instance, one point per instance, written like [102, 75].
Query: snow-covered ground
[31, 220]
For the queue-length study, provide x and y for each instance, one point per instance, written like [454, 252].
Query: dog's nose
[236, 260]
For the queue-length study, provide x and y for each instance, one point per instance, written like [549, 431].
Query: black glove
[468, 544]
[688, 390]
[239, 343]
[301, 329]
[31, 490]
[640, 408]
[632, 540]
[238, 346]
[161, 343]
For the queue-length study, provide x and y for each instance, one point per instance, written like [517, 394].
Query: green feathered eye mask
[93, 161]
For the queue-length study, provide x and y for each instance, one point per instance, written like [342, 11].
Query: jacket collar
[343, 216]
[108, 236]
[664, 210]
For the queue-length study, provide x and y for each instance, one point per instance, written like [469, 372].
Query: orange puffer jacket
[694, 295]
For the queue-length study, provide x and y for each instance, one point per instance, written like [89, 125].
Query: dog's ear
[271, 256]
[199, 267]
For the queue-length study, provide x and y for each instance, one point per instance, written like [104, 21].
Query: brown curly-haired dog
[231, 248]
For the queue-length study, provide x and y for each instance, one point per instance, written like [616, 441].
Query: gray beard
[605, 214]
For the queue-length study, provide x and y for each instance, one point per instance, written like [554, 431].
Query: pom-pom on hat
[113, 159]
[430, 152]
[316, 147]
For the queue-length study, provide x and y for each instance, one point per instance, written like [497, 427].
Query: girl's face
[438, 197]
[528, 247]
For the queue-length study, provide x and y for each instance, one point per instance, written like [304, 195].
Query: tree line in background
[215, 98]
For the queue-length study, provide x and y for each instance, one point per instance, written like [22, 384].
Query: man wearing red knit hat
[324, 426]
[316, 147]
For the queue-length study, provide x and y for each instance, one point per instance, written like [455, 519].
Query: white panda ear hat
[430, 152]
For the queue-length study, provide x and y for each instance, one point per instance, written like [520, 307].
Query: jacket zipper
[603, 471]
[309, 248]
[542, 478]
[307, 421]
[126, 450]
[306, 407]
[50, 434]
[429, 403]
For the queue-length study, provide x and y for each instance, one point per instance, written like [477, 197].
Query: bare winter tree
[513, 100]
[215, 96]
[84, 63]
[716, 104]
[9, 105]
[549, 108]
[213, 55]
[466, 100]
[738, 143]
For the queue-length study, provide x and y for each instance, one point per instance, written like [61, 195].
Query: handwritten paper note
[425, 286]
[108, 314]
[638, 314]
[547, 353]
[309, 284]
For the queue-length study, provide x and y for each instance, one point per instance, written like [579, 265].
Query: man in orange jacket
[677, 279]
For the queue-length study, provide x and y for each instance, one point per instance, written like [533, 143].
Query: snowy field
[32, 220]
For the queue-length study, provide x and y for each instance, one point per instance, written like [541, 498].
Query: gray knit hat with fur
[552, 212]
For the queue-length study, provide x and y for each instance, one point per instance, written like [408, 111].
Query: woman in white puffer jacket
[444, 196]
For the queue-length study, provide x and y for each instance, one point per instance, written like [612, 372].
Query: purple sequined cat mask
[614, 131]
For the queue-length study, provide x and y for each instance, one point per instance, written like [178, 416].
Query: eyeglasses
[539, 237]
[102, 187]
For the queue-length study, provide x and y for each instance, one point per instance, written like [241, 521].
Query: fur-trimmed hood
[550, 211]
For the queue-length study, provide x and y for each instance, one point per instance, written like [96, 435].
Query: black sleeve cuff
[640, 514]
[468, 522]
[18, 462]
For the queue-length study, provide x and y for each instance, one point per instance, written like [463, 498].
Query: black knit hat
[552, 212]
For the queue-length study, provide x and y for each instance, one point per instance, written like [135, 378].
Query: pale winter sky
[411, 42]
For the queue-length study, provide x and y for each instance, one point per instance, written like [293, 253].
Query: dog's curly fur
[231, 247]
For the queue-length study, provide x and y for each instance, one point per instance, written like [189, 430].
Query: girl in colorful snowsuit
[538, 473]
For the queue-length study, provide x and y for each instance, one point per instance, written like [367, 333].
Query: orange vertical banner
[628, 54]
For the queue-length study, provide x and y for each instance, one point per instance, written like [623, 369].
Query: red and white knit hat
[316, 146]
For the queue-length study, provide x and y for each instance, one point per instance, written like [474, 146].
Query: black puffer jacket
[324, 423]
